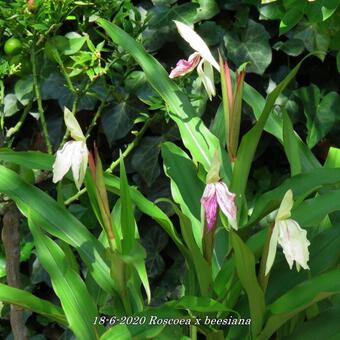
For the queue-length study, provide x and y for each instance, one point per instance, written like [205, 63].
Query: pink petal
[185, 66]
[226, 201]
[209, 202]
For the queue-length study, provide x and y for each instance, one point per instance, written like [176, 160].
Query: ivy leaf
[145, 159]
[23, 89]
[321, 113]
[313, 38]
[251, 45]
[117, 119]
[11, 105]
[292, 47]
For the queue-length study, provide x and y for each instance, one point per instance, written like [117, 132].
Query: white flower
[74, 153]
[204, 67]
[291, 237]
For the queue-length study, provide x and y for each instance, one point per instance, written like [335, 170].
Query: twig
[16, 128]
[95, 118]
[36, 86]
[11, 241]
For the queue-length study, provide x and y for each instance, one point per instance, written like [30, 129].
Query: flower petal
[285, 206]
[272, 249]
[79, 163]
[293, 240]
[196, 42]
[209, 202]
[226, 201]
[73, 125]
[206, 74]
[63, 161]
[185, 66]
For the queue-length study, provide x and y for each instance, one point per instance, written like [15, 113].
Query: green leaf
[253, 47]
[207, 10]
[127, 218]
[76, 301]
[194, 255]
[313, 37]
[11, 105]
[311, 212]
[290, 145]
[58, 222]
[250, 140]
[218, 125]
[145, 159]
[195, 135]
[321, 113]
[118, 118]
[333, 158]
[271, 11]
[292, 47]
[292, 17]
[299, 298]
[245, 268]
[186, 188]
[23, 89]
[27, 300]
[302, 185]
[130, 247]
[324, 326]
[338, 61]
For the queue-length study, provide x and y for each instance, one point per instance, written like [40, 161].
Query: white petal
[63, 161]
[226, 202]
[294, 242]
[207, 77]
[196, 42]
[79, 163]
[285, 206]
[73, 125]
[272, 249]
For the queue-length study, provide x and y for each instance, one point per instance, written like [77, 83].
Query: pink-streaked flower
[73, 155]
[185, 66]
[291, 237]
[218, 195]
[202, 58]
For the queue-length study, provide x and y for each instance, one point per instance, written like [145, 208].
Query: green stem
[193, 332]
[95, 118]
[2, 95]
[36, 86]
[16, 128]
[132, 145]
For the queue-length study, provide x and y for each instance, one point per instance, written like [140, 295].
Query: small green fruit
[12, 46]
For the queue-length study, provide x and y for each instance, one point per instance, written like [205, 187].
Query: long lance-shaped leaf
[299, 298]
[250, 141]
[58, 222]
[27, 300]
[245, 268]
[302, 185]
[76, 301]
[196, 137]
[43, 161]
